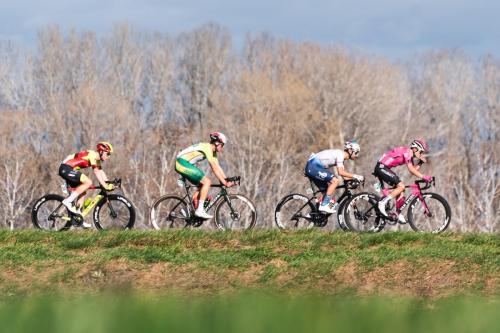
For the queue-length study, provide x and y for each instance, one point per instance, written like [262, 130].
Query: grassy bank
[398, 264]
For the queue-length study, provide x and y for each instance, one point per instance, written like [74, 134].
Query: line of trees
[276, 100]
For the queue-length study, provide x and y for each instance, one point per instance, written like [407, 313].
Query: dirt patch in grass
[427, 278]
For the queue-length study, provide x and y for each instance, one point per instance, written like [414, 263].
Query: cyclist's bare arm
[219, 173]
[344, 173]
[414, 170]
[101, 176]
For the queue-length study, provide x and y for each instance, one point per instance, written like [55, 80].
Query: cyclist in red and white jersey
[396, 157]
[70, 171]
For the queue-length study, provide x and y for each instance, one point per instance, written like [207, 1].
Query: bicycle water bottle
[87, 203]
[207, 201]
[400, 202]
[180, 182]
[64, 189]
[377, 187]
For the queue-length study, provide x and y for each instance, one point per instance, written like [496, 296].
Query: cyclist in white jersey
[318, 170]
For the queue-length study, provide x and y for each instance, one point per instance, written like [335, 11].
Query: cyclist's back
[396, 157]
[83, 159]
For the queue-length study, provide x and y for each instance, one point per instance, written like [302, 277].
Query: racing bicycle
[232, 211]
[427, 211]
[297, 211]
[110, 211]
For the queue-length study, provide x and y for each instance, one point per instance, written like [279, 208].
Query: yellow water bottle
[87, 203]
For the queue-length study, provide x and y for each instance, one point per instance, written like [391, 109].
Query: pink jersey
[396, 156]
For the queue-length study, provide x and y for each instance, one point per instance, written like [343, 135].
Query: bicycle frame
[416, 191]
[222, 195]
[314, 200]
[95, 199]
[347, 192]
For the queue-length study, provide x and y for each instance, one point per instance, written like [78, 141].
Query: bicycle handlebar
[427, 184]
[235, 179]
[353, 183]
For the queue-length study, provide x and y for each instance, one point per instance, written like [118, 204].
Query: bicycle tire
[45, 209]
[340, 214]
[364, 218]
[242, 215]
[294, 208]
[114, 212]
[438, 207]
[169, 212]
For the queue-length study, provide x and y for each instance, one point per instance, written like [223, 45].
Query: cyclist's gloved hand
[358, 177]
[427, 179]
[109, 187]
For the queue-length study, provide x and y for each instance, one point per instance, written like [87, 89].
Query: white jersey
[331, 157]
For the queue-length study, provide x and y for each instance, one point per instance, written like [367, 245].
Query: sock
[71, 197]
[326, 200]
[201, 205]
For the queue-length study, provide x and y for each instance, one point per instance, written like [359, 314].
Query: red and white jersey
[83, 159]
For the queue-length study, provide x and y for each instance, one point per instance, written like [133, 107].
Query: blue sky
[392, 28]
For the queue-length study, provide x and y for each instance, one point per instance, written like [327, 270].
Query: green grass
[32, 260]
[247, 312]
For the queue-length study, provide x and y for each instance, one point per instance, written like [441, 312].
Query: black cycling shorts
[72, 177]
[386, 174]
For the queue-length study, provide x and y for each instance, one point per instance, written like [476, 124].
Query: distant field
[248, 312]
[422, 266]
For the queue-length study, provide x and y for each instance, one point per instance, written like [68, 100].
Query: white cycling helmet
[420, 145]
[353, 145]
[218, 137]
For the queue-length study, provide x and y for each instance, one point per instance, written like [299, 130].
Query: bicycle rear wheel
[48, 213]
[340, 215]
[236, 214]
[115, 212]
[436, 219]
[360, 214]
[169, 212]
[294, 211]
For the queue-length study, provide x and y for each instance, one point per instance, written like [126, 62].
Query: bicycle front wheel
[295, 211]
[431, 215]
[235, 212]
[360, 214]
[115, 212]
[48, 213]
[169, 212]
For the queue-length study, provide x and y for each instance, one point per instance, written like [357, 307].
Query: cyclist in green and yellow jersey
[185, 166]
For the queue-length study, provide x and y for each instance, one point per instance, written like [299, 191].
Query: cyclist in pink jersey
[396, 157]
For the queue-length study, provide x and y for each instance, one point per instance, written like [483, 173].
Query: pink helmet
[218, 136]
[420, 144]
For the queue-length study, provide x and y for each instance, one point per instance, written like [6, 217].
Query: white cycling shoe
[326, 209]
[381, 207]
[401, 219]
[202, 214]
[71, 207]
